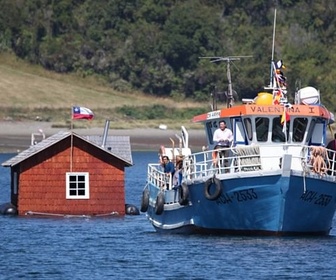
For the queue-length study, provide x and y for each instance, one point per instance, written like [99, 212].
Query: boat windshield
[299, 129]
[278, 134]
[265, 129]
[262, 127]
[272, 127]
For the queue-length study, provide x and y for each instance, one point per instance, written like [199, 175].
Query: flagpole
[77, 113]
[71, 139]
[273, 46]
[285, 124]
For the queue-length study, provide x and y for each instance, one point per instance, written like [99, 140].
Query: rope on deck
[319, 159]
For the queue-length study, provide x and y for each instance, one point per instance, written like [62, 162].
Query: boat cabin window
[248, 127]
[316, 134]
[278, 134]
[299, 129]
[262, 125]
[310, 130]
[210, 128]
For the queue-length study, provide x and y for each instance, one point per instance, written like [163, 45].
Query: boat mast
[271, 85]
[230, 92]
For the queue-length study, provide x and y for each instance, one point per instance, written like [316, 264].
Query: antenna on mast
[227, 59]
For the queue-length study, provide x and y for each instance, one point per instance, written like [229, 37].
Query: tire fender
[207, 187]
[159, 204]
[183, 194]
[144, 200]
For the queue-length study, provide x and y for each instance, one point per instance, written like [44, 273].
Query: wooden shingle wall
[42, 183]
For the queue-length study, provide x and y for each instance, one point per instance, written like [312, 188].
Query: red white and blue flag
[81, 113]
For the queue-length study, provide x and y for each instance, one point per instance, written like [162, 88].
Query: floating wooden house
[69, 174]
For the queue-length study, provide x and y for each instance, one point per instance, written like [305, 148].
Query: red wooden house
[69, 174]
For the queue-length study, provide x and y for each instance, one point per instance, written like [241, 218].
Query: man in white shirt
[222, 138]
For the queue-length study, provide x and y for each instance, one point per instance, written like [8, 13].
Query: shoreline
[15, 136]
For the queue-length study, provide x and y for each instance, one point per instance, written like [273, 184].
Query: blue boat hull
[269, 205]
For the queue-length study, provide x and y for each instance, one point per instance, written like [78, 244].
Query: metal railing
[308, 159]
[157, 177]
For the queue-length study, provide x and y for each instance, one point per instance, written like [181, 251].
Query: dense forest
[156, 45]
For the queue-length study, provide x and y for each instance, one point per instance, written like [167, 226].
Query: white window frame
[86, 185]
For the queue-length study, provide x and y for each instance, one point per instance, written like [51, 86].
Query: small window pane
[299, 129]
[278, 134]
[73, 192]
[72, 178]
[262, 129]
[248, 126]
[81, 192]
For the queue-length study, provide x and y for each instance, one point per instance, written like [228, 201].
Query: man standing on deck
[331, 155]
[168, 169]
[332, 146]
[222, 138]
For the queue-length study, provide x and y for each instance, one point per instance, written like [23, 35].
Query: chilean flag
[81, 113]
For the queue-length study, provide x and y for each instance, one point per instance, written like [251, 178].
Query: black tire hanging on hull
[183, 194]
[159, 204]
[144, 200]
[207, 188]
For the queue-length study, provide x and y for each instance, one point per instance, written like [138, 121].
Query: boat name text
[278, 109]
[213, 115]
[238, 196]
[314, 197]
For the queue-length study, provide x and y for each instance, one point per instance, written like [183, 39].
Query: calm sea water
[129, 248]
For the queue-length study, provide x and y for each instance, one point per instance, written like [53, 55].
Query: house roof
[118, 146]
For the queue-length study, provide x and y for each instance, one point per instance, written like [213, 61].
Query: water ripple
[129, 248]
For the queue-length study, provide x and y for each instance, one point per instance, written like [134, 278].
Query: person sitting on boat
[331, 154]
[332, 144]
[222, 138]
[177, 177]
[168, 167]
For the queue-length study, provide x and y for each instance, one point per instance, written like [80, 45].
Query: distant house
[69, 174]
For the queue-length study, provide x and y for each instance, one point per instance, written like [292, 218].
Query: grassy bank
[28, 92]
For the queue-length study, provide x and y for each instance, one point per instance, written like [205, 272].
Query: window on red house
[77, 185]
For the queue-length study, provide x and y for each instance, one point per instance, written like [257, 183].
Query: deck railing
[318, 160]
[157, 177]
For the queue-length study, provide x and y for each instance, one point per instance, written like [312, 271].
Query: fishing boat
[278, 177]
